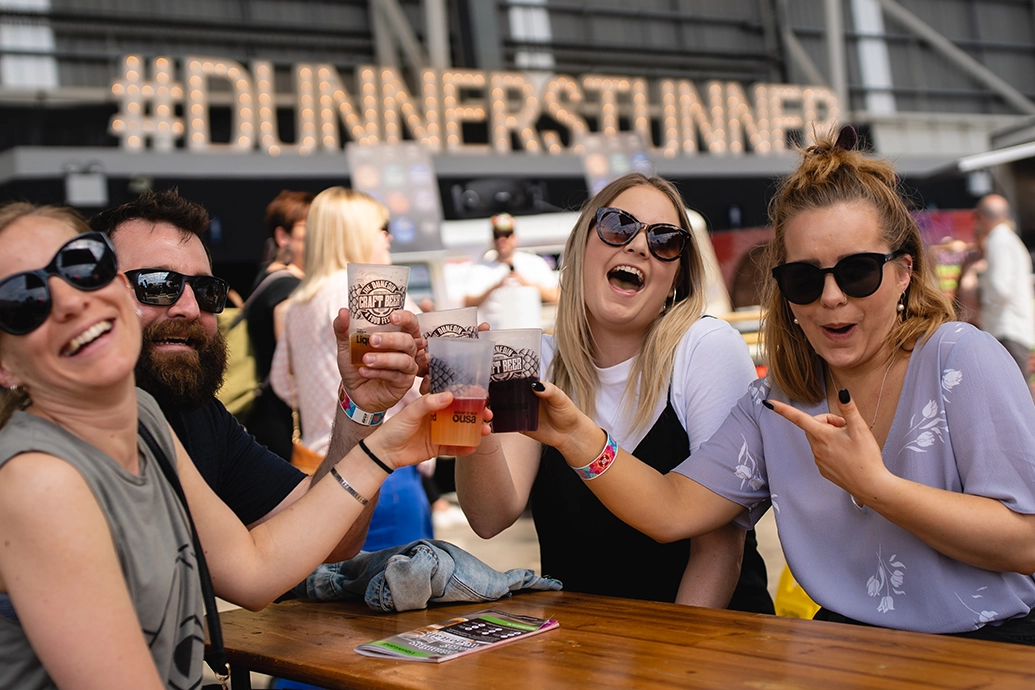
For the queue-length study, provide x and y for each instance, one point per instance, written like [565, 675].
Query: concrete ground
[517, 546]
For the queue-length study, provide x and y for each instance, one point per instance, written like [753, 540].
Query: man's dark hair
[157, 207]
[286, 209]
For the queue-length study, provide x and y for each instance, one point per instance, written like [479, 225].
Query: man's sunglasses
[858, 275]
[86, 262]
[618, 228]
[161, 288]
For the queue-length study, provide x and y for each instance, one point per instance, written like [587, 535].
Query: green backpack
[241, 382]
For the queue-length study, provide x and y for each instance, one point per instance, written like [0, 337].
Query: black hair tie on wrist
[377, 460]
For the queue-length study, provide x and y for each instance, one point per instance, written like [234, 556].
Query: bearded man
[157, 240]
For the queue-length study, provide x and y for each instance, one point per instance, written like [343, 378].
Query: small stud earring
[795, 321]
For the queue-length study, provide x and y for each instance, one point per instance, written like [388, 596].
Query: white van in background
[441, 275]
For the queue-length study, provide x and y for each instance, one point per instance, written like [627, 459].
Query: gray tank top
[152, 540]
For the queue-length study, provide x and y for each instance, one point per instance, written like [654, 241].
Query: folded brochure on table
[457, 636]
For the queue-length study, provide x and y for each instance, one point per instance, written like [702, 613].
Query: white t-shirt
[511, 306]
[1007, 296]
[700, 398]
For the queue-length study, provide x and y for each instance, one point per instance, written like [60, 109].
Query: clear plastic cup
[461, 366]
[515, 365]
[375, 291]
[449, 323]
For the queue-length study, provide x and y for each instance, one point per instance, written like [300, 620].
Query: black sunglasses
[618, 228]
[86, 262]
[858, 275]
[161, 288]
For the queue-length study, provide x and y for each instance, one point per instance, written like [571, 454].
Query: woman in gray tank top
[896, 447]
[98, 576]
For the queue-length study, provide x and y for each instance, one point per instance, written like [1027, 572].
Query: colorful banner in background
[606, 157]
[949, 235]
[400, 176]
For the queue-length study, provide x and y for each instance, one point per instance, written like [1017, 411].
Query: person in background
[343, 226]
[1006, 291]
[269, 419]
[502, 284]
[157, 239]
[98, 563]
[895, 446]
[633, 348]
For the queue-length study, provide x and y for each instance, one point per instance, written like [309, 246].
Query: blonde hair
[341, 228]
[572, 368]
[13, 399]
[828, 175]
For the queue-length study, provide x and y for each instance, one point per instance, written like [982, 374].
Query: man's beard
[186, 379]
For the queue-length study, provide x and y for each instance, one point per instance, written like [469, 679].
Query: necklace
[880, 395]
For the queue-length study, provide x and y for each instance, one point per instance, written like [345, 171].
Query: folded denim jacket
[404, 578]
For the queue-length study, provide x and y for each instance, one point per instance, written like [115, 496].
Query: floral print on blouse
[965, 422]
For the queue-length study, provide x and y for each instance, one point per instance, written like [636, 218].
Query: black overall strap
[216, 657]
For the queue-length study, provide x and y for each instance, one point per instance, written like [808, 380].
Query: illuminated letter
[396, 103]
[610, 87]
[566, 116]
[506, 120]
[242, 128]
[456, 109]
[820, 111]
[684, 115]
[130, 124]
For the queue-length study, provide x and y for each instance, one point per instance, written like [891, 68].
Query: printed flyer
[457, 637]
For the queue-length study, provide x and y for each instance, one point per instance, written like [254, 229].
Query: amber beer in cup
[375, 291]
[460, 366]
[515, 365]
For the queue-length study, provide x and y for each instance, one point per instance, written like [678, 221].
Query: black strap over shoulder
[216, 657]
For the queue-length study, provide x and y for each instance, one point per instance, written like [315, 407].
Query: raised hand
[563, 425]
[405, 439]
[845, 450]
[387, 374]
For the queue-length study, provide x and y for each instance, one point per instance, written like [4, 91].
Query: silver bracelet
[348, 487]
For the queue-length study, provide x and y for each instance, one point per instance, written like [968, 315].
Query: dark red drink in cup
[515, 365]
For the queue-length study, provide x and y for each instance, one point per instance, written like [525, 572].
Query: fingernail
[375, 340]
[843, 396]
[768, 405]
[538, 387]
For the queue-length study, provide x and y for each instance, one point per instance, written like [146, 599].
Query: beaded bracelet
[601, 462]
[348, 487]
[353, 412]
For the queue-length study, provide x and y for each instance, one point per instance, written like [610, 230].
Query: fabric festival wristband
[355, 413]
[348, 487]
[602, 461]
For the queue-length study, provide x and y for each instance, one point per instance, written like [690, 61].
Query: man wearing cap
[509, 286]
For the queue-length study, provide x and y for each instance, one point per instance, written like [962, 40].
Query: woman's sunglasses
[86, 262]
[161, 288]
[618, 228]
[858, 275]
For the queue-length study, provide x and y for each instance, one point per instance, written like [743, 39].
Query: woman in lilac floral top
[896, 446]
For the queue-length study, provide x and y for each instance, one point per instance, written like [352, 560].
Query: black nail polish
[538, 387]
[768, 405]
[843, 396]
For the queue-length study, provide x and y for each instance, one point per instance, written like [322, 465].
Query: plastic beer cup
[449, 323]
[460, 366]
[375, 291]
[515, 365]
